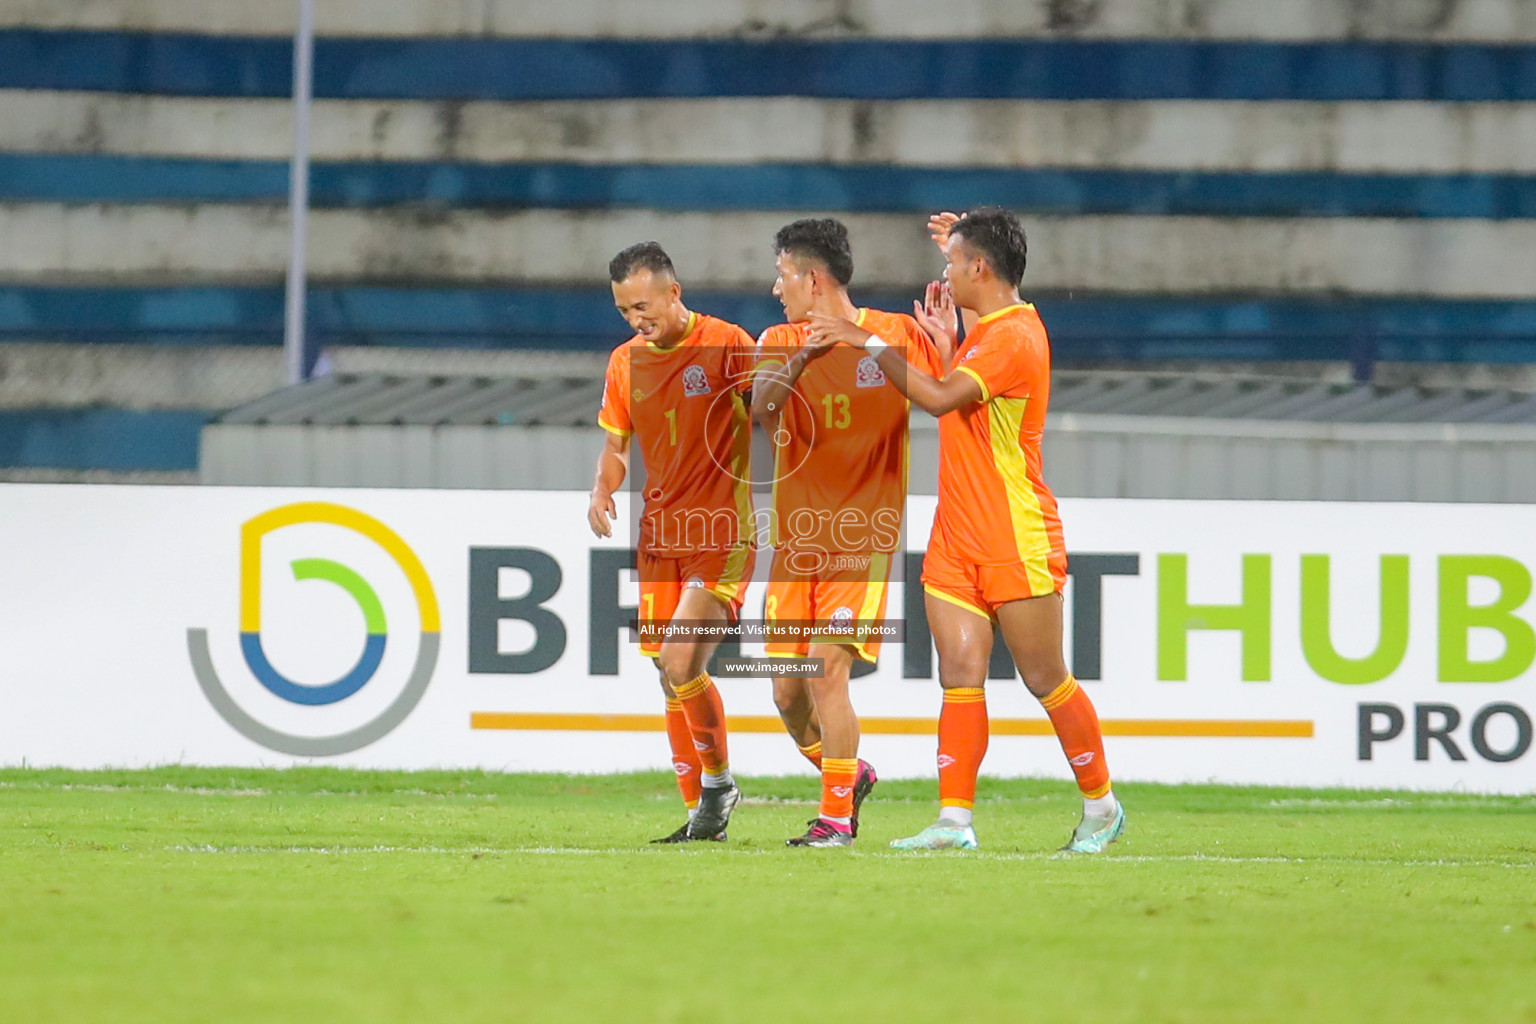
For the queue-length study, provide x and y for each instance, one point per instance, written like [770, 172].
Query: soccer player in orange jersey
[679, 386]
[996, 551]
[839, 430]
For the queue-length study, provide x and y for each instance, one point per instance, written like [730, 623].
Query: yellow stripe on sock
[1059, 696]
[1094, 794]
[673, 704]
[693, 687]
[951, 802]
[965, 693]
[814, 748]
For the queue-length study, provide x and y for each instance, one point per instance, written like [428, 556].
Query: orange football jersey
[685, 407]
[994, 507]
[840, 457]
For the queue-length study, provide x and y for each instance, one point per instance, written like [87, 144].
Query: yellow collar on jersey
[1003, 312]
[693, 321]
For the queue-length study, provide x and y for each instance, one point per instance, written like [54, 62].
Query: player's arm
[612, 467]
[613, 460]
[775, 377]
[930, 394]
[772, 382]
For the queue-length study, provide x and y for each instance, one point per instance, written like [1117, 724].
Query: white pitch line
[106, 788]
[1400, 803]
[72, 787]
[343, 850]
[1201, 858]
[579, 851]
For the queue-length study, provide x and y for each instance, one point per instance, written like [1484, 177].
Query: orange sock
[685, 760]
[812, 753]
[706, 721]
[838, 774]
[1077, 727]
[962, 744]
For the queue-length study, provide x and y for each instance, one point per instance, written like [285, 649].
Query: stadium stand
[1113, 434]
[1351, 186]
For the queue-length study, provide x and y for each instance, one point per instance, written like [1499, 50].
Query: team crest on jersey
[842, 620]
[695, 381]
[869, 373]
[637, 394]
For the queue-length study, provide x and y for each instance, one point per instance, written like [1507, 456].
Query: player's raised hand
[826, 331]
[939, 225]
[601, 513]
[936, 315]
[814, 350]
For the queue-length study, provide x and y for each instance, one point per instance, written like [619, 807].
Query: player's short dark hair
[822, 239]
[998, 236]
[640, 256]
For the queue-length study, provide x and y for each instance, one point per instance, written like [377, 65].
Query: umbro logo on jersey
[869, 373]
[695, 381]
[637, 394]
[841, 791]
[681, 767]
[1081, 759]
[945, 760]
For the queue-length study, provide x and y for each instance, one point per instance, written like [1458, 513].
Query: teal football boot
[1092, 835]
[939, 836]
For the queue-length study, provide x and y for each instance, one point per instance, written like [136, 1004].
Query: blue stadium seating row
[859, 188]
[1083, 329]
[112, 439]
[856, 69]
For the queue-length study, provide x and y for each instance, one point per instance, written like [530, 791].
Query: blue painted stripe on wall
[855, 188]
[856, 69]
[1093, 327]
[100, 439]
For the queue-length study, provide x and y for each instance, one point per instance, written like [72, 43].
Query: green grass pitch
[184, 894]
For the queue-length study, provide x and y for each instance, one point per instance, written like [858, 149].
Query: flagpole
[295, 342]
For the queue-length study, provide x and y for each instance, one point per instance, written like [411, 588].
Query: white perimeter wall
[101, 586]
